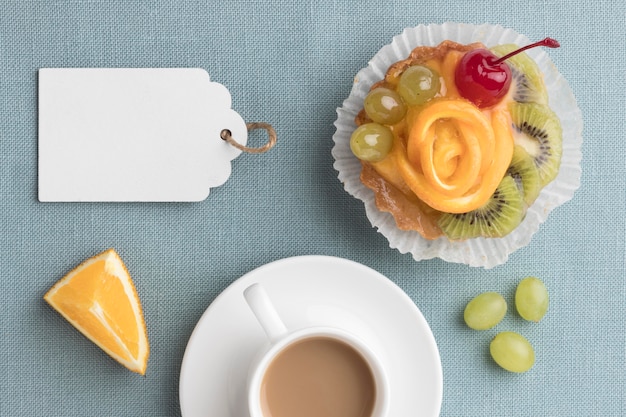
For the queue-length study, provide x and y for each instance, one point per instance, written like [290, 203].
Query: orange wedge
[98, 297]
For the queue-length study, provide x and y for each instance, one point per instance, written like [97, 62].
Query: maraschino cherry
[483, 78]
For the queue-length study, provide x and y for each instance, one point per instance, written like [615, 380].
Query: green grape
[384, 106]
[531, 299]
[418, 84]
[512, 351]
[485, 311]
[371, 142]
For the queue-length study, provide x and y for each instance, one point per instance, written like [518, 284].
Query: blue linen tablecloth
[292, 64]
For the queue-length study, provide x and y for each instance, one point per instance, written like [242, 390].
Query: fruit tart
[460, 139]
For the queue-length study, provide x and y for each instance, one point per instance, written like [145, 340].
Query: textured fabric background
[292, 65]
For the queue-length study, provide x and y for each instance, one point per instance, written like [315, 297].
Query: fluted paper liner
[484, 252]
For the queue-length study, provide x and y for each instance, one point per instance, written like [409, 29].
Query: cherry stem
[549, 42]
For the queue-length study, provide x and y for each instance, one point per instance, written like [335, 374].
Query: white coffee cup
[282, 340]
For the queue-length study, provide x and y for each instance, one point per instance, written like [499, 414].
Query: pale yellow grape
[371, 142]
[512, 352]
[485, 311]
[531, 299]
[384, 106]
[418, 84]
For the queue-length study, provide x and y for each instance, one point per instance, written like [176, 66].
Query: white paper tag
[141, 134]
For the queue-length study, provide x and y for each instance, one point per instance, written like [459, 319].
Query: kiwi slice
[527, 84]
[538, 130]
[502, 213]
[525, 173]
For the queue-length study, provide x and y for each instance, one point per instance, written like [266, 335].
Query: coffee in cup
[313, 371]
[318, 376]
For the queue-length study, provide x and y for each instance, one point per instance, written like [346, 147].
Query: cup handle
[264, 311]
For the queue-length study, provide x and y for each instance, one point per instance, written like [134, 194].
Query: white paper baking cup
[484, 252]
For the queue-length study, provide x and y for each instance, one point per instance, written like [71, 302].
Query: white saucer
[310, 291]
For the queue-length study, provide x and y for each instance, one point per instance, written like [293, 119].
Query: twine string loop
[227, 136]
